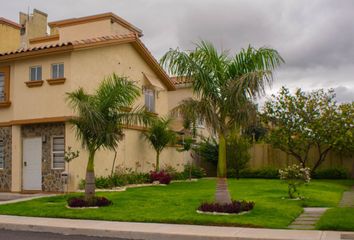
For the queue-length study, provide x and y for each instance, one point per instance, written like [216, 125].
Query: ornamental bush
[161, 176]
[234, 207]
[295, 176]
[79, 202]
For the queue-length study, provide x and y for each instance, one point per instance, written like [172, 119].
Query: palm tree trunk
[90, 184]
[222, 195]
[157, 167]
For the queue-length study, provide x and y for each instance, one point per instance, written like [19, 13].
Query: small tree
[294, 176]
[302, 121]
[100, 118]
[159, 136]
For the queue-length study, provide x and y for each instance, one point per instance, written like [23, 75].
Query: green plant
[294, 176]
[306, 120]
[159, 136]
[331, 173]
[100, 117]
[237, 153]
[267, 173]
[225, 87]
[194, 171]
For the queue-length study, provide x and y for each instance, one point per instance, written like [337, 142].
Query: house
[38, 69]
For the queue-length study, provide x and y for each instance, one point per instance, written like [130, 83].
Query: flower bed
[80, 202]
[235, 207]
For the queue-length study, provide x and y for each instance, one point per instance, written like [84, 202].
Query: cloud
[316, 38]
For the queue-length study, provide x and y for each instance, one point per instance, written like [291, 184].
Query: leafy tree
[100, 117]
[237, 152]
[159, 135]
[302, 121]
[224, 87]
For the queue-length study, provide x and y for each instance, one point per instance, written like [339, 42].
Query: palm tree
[159, 135]
[101, 117]
[224, 88]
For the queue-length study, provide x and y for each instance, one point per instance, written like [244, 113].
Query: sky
[315, 38]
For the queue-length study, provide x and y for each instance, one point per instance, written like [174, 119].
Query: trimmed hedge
[268, 173]
[331, 173]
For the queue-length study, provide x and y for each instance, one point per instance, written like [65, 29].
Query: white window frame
[30, 73]
[52, 152]
[200, 123]
[2, 142]
[58, 72]
[149, 106]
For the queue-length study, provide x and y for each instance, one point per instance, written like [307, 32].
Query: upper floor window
[36, 73]
[2, 154]
[149, 99]
[58, 148]
[57, 70]
[4, 86]
[200, 122]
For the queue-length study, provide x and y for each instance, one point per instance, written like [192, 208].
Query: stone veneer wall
[5, 174]
[51, 178]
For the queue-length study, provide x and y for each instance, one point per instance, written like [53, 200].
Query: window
[36, 73]
[4, 86]
[200, 122]
[58, 152]
[57, 70]
[2, 154]
[149, 99]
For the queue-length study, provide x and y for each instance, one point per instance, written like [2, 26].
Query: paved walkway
[347, 199]
[154, 231]
[6, 198]
[308, 219]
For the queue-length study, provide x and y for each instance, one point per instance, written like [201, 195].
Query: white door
[32, 163]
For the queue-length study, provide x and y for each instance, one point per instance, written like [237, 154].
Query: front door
[32, 164]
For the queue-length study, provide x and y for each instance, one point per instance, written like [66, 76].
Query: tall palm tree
[100, 118]
[224, 87]
[159, 135]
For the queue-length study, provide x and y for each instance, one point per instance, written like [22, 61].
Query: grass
[177, 203]
[337, 219]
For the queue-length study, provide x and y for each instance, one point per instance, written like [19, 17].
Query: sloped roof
[89, 43]
[9, 23]
[93, 18]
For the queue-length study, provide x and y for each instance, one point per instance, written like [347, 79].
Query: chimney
[32, 26]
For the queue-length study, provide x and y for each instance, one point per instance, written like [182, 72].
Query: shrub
[196, 172]
[119, 179]
[161, 176]
[331, 173]
[268, 173]
[77, 202]
[295, 176]
[234, 207]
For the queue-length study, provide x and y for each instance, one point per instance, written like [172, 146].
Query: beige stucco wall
[9, 38]
[38, 102]
[85, 68]
[133, 152]
[89, 30]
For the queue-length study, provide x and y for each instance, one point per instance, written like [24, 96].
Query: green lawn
[337, 219]
[177, 203]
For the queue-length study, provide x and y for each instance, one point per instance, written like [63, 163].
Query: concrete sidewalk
[153, 231]
[6, 198]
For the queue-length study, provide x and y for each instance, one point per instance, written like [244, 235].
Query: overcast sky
[316, 38]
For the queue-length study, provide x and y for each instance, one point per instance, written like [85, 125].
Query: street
[20, 235]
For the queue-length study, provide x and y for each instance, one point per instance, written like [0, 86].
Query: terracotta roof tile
[177, 81]
[73, 43]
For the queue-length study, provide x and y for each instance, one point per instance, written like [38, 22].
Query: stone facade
[5, 173]
[51, 178]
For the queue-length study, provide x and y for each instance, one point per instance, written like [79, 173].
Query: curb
[155, 231]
